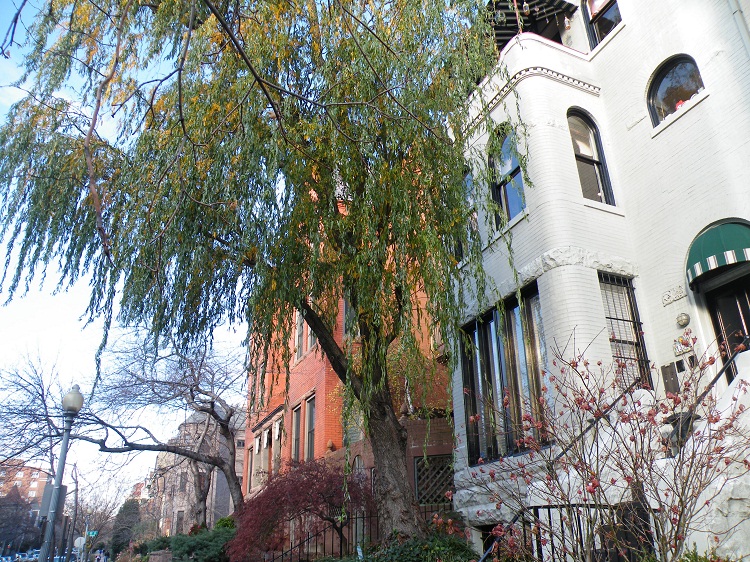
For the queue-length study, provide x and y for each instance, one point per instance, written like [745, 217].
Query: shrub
[437, 546]
[225, 523]
[206, 546]
[311, 493]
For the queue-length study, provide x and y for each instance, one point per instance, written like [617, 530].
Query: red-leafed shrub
[311, 494]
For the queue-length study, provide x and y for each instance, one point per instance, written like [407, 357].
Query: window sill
[612, 209]
[508, 227]
[672, 118]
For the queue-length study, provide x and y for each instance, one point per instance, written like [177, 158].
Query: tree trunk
[398, 512]
[233, 483]
[202, 486]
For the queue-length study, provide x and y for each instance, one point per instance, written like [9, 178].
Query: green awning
[720, 245]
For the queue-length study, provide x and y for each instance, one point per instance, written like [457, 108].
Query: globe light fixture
[72, 403]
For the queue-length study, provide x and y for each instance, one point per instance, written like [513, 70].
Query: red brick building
[308, 423]
[29, 481]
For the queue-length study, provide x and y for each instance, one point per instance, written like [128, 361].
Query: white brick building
[659, 174]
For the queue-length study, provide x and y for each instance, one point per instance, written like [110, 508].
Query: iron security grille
[625, 331]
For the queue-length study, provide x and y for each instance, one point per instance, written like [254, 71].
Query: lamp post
[72, 403]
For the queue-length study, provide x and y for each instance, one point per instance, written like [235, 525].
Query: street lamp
[72, 403]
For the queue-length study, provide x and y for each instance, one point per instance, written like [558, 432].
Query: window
[502, 359]
[33, 484]
[675, 82]
[296, 421]
[351, 325]
[506, 180]
[310, 423]
[183, 481]
[19, 474]
[625, 333]
[35, 474]
[312, 339]
[458, 246]
[32, 494]
[180, 523]
[300, 339]
[353, 424]
[240, 443]
[589, 156]
[603, 16]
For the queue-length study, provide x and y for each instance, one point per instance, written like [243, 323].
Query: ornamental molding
[534, 71]
[673, 294]
[549, 260]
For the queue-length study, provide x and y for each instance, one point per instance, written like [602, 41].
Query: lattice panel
[434, 477]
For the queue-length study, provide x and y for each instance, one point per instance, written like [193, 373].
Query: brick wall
[669, 181]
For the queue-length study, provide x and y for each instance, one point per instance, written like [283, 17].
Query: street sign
[93, 533]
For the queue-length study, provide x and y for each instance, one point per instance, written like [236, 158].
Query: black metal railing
[575, 533]
[358, 530]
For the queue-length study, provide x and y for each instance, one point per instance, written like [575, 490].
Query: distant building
[174, 480]
[29, 481]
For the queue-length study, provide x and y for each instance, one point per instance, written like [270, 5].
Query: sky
[48, 325]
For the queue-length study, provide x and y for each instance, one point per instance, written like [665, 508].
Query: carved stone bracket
[674, 294]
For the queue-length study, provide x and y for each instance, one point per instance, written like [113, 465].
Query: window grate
[625, 330]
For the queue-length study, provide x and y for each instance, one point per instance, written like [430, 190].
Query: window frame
[661, 73]
[595, 36]
[495, 367]
[310, 428]
[296, 432]
[633, 321]
[499, 183]
[299, 339]
[598, 162]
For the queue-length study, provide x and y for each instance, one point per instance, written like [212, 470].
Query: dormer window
[603, 16]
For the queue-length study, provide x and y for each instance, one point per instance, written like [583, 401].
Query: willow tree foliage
[269, 156]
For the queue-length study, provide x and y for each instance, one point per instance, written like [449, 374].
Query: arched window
[676, 82]
[506, 180]
[587, 147]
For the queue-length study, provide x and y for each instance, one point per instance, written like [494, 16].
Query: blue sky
[48, 325]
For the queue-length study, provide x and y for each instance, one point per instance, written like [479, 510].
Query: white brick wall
[669, 182]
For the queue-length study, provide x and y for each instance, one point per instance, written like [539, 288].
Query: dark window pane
[502, 361]
[507, 182]
[589, 180]
[606, 22]
[679, 81]
[514, 196]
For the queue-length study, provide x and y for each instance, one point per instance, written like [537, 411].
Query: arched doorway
[718, 267]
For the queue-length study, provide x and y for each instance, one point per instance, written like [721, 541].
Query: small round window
[676, 82]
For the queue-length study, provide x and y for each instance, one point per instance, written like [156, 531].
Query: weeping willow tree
[213, 161]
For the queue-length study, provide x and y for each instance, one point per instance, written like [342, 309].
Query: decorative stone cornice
[534, 71]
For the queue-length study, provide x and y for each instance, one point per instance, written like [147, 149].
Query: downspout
[739, 19]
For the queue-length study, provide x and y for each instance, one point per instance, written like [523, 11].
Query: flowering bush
[621, 467]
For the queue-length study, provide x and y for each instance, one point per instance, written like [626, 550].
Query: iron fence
[357, 530]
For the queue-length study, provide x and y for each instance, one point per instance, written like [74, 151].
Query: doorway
[729, 306]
